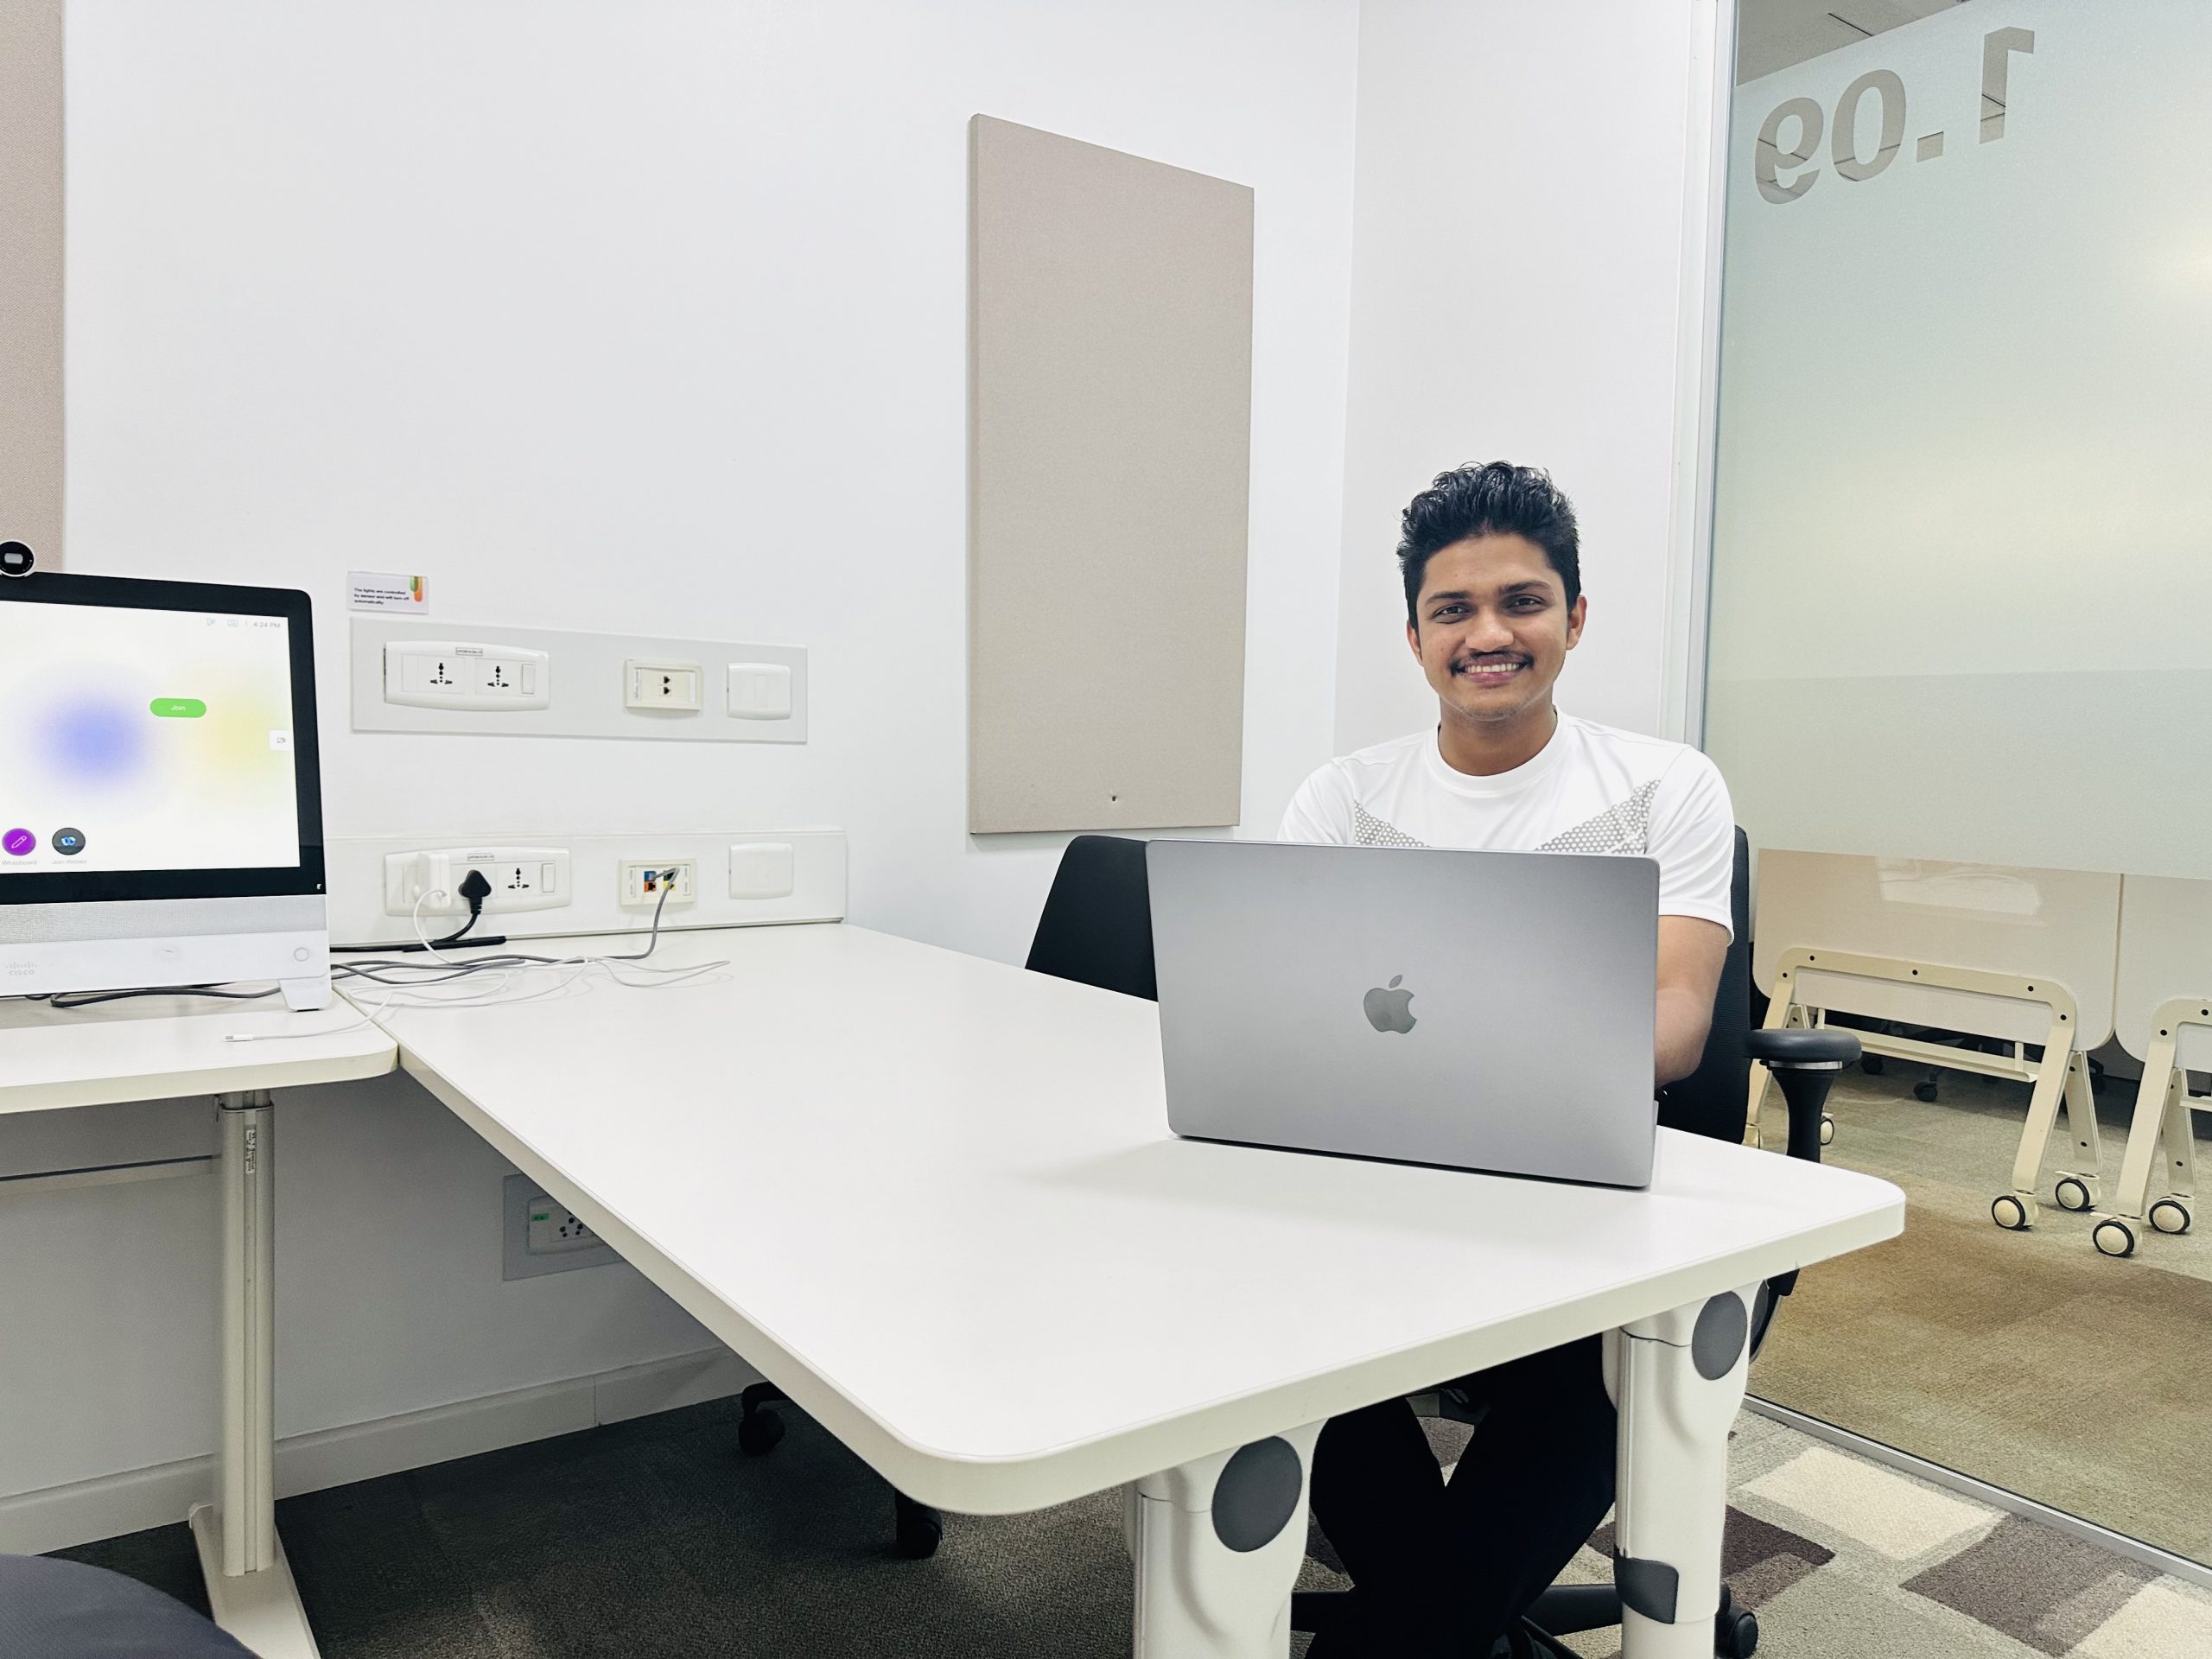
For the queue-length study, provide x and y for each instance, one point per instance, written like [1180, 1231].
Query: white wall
[645, 317]
[1515, 289]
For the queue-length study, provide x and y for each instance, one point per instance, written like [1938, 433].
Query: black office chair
[65, 1609]
[1097, 928]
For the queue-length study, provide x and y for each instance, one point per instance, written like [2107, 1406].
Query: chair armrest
[1827, 1046]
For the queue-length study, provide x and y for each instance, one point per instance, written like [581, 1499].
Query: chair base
[917, 1530]
[1563, 1609]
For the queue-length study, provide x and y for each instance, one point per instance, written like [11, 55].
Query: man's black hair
[1493, 499]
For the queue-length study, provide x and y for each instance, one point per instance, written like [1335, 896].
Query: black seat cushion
[65, 1609]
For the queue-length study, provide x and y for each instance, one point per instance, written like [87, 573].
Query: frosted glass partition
[1963, 580]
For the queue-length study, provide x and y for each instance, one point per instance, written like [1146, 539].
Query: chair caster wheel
[759, 1432]
[2072, 1193]
[1827, 1130]
[920, 1529]
[1870, 1064]
[1923, 1091]
[2115, 1238]
[2170, 1216]
[2012, 1213]
[1736, 1636]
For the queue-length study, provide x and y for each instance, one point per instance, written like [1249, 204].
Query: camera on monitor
[16, 559]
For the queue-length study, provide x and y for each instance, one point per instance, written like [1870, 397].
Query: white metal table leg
[1678, 1380]
[250, 1588]
[1218, 1543]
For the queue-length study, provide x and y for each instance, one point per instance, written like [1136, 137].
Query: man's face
[1492, 627]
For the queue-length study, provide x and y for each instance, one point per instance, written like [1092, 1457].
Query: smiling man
[1491, 563]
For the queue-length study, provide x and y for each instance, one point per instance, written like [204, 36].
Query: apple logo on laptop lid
[1390, 1008]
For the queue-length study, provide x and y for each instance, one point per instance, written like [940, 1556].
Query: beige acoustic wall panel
[30, 275]
[1111, 447]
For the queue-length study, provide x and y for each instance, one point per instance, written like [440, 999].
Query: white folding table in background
[935, 1200]
[162, 1048]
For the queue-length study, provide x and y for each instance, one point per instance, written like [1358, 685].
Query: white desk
[935, 1200]
[158, 1048]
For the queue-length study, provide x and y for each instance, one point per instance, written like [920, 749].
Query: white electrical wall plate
[760, 690]
[412, 676]
[522, 878]
[740, 878]
[672, 686]
[465, 674]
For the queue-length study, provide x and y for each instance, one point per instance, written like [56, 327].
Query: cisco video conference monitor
[161, 810]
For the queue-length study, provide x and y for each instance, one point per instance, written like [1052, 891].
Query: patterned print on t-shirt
[1624, 827]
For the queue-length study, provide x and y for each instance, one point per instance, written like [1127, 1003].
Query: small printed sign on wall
[373, 590]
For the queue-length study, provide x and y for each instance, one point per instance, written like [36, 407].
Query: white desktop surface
[935, 1198]
[162, 1048]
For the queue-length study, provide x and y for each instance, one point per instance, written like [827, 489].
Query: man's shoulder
[1646, 756]
[1390, 756]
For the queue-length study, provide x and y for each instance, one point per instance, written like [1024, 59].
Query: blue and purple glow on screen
[92, 739]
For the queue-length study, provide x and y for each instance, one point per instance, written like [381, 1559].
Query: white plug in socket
[522, 878]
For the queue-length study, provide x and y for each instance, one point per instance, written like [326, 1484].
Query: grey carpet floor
[2027, 1360]
[655, 1539]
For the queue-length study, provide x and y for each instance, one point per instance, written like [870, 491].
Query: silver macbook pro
[1485, 1010]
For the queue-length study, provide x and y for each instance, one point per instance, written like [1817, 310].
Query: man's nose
[1488, 633]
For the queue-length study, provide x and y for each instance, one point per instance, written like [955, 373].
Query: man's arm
[1691, 950]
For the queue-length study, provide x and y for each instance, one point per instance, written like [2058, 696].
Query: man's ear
[1575, 616]
[1413, 638]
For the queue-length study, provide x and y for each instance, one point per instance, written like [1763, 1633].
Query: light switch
[759, 691]
[760, 869]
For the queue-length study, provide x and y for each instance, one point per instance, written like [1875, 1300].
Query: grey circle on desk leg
[1257, 1494]
[1719, 1338]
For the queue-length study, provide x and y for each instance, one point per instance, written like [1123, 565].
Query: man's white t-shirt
[1591, 789]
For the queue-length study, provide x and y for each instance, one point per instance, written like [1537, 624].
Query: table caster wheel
[1870, 1064]
[1827, 1130]
[2072, 1193]
[2012, 1213]
[759, 1432]
[1924, 1091]
[1736, 1636]
[2170, 1216]
[920, 1529]
[2115, 1238]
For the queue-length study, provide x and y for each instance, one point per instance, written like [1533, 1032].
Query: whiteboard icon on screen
[281, 741]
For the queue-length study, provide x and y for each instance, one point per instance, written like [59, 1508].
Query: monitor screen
[155, 738]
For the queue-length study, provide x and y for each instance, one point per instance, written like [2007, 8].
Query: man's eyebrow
[1534, 585]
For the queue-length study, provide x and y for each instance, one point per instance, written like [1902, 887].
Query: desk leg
[1678, 1380]
[1218, 1543]
[250, 1587]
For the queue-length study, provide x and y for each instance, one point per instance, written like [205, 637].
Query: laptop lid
[1486, 1010]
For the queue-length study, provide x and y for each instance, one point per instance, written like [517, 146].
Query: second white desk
[936, 1200]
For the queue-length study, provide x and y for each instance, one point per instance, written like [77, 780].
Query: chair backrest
[1096, 927]
[1712, 1099]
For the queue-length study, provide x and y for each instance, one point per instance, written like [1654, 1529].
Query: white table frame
[115, 1052]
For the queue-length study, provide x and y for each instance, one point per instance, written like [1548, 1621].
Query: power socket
[553, 1228]
[522, 878]
[539, 1235]
[643, 883]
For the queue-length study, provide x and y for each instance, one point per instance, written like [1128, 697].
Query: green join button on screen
[178, 707]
